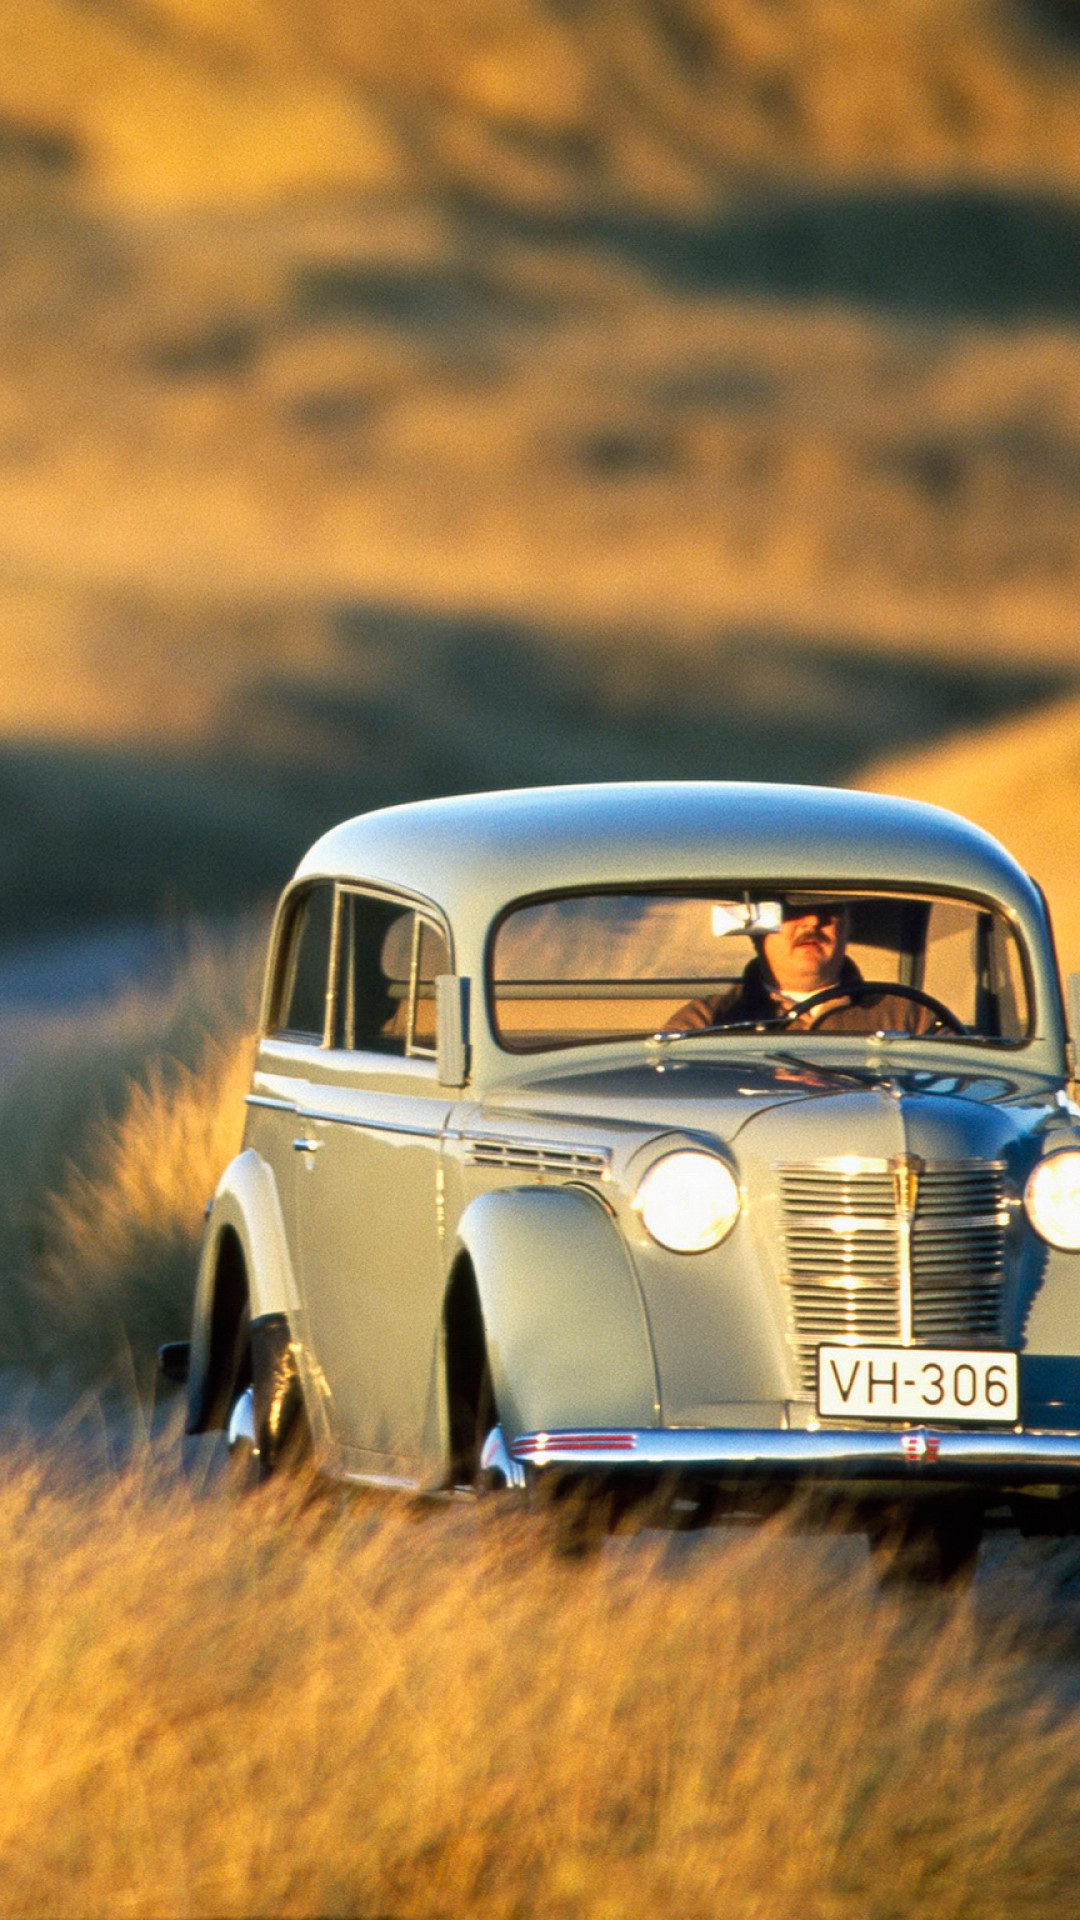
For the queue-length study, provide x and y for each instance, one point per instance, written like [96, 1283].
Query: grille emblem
[906, 1173]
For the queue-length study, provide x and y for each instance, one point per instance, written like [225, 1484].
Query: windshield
[575, 969]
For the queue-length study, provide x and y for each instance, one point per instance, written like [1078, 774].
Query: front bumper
[1006, 1460]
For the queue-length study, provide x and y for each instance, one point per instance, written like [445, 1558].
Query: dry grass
[120, 1236]
[222, 1708]
[1021, 781]
[113, 1138]
[302, 1704]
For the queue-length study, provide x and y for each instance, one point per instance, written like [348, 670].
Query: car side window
[432, 958]
[304, 968]
[388, 960]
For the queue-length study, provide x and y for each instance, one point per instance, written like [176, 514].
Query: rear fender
[564, 1322]
[244, 1250]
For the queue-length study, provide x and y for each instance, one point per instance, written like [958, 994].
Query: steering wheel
[872, 989]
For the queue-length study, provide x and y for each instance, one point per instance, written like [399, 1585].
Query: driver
[805, 955]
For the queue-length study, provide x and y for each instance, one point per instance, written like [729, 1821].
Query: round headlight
[688, 1201]
[1052, 1199]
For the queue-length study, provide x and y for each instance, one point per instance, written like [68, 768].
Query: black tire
[485, 1416]
[935, 1546]
[1043, 1517]
[282, 1430]
[209, 1462]
[574, 1513]
[261, 1373]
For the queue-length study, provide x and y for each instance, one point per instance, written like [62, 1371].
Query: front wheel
[266, 1430]
[280, 1434]
[932, 1546]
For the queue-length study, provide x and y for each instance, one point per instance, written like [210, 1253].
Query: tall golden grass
[112, 1138]
[306, 1703]
[293, 1706]
[120, 1234]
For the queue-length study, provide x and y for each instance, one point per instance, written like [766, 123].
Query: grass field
[216, 1707]
[114, 1134]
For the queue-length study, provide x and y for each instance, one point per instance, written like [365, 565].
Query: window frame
[292, 907]
[424, 911]
[840, 887]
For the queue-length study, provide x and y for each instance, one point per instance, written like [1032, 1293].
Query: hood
[891, 1118]
[854, 1109]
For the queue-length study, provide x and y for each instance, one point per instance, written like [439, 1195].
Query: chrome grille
[869, 1315]
[835, 1258]
[978, 1189]
[857, 1266]
[940, 1317]
[835, 1190]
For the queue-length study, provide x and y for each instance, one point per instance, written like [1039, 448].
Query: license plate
[916, 1383]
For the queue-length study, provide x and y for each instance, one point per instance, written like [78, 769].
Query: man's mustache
[816, 936]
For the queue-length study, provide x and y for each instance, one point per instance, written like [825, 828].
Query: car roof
[474, 853]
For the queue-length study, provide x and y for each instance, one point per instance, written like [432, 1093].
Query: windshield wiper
[667, 1034]
[868, 1078]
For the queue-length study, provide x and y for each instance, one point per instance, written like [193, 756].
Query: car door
[292, 1044]
[368, 1232]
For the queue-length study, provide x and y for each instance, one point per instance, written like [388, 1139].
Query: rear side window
[388, 959]
[304, 969]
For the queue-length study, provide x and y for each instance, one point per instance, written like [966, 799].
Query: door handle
[307, 1146]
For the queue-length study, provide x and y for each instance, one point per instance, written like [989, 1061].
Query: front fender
[567, 1336]
[245, 1215]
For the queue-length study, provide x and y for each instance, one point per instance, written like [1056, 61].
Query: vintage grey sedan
[550, 1177]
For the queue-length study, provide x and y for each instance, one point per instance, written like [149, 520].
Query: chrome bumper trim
[924, 1453]
[497, 1468]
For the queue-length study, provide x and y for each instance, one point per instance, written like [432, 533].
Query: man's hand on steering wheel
[835, 998]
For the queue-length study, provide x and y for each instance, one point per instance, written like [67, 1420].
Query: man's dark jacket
[755, 1000]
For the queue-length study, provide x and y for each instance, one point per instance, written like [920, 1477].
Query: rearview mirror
[746, 916]
[451, 1029]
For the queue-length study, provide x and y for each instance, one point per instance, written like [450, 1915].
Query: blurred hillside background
[401, 396]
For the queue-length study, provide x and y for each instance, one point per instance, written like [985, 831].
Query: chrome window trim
[425, 913]
[414, 968]
[367, 1124]
[330, 1019]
